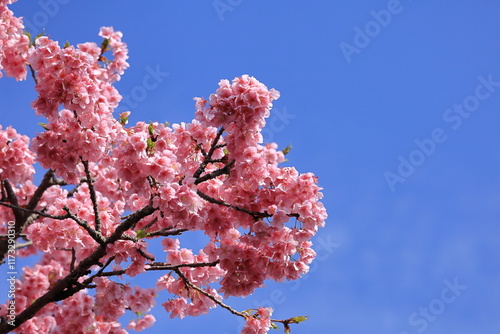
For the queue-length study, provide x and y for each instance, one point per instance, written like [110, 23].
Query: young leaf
[43, 125]
[150, 146]
[299, 319]
[287, 149]
[141, 234]
[151, 128]
[105, 44]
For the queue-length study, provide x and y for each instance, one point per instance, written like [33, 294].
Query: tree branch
[96, 235]
[215, 173]
[156, 266]
[208, 295]
[26, 215]
[165, 232]
[93, 196]
[12, 198]
[207, 157]
[255, 215]
[69, 285]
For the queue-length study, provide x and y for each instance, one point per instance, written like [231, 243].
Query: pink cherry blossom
[260, 323]
[142, 323]
[16, 160]
[13, 44]
[116, 199]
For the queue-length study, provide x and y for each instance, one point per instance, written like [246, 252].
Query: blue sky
[393, 104]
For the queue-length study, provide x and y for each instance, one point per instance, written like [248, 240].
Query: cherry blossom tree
[111, 188]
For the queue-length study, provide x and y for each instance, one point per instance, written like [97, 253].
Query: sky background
[412, 240]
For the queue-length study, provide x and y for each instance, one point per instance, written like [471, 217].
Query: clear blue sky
[394, 105]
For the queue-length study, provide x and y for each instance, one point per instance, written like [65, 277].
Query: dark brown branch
[33, 74]
[73, 259]
[12, 198]
[69, 285]
[74, 190]
[156, 266]
[188, 283]
[100, 272]
[25, 215]
[150, 224]
[165, 232]
[39, 213]
[96, 235]
[143, 254]
[166, 266]
[215, 173]
[208, 156]
[256, 215]
[47, 182]
[93, 196]
[214, 145]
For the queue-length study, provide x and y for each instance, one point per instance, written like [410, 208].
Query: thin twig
[73, 259]
[208, 156]
[215, 173]
[100, 272]
[167, 231]
[40, 213]
[11, 196]
[93, 196]
[157, 266]
[143, 254]
[208, 295]
[256, 215]
[33, 74]
[96, 235]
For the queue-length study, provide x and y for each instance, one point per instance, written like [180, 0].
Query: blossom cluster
[111, 188]
[81, 312]
[259, 323]
[75, 79]
[13, 43]
[16, 159]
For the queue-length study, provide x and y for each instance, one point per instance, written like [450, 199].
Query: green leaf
[248, 312]
[287, 149]
[299, 319]
[150, 145]
[105, 44]
[124, 118]
[43, 125]
[33, 40]
[26, 33]
[141, 234]
[151, 128]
